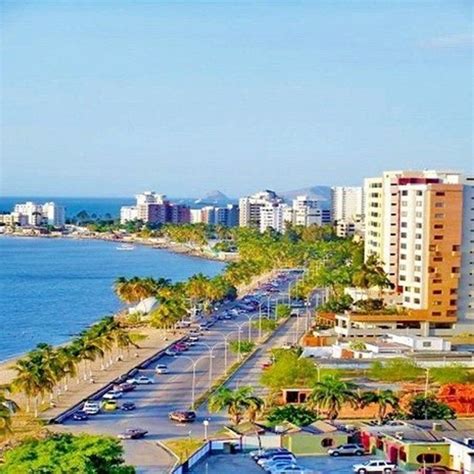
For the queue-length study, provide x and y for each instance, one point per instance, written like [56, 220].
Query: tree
[254, 407]
[358, 346]
[60, 453]
[7, 408]
[395, 370]
[423, 407]
[454, 373]
[371, 274]
[331, 393]
[243, 348]
[236, 402]
[298, 415]
[282, 311]
[383, 398]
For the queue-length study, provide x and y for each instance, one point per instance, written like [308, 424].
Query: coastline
[154, 242]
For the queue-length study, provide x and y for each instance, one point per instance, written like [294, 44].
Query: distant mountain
[321, 193]
[214, 198]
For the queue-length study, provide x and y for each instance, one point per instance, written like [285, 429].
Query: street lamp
[193, 384]
[226, 344]
[239, 332]
[249, 317]
[206, 424]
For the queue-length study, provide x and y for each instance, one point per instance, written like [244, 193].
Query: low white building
[461, 451]
[128, 213]
[421, 343]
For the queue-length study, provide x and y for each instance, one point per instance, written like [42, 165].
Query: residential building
[271, 216]
[227, 216]
[326, 217]
[53, 214]
[32, 211]
[208, 214]
[153, 208]
[347, 203]
[306, 211]
[128, 214]
[466, 285]
[414, 226]
[249, 207]
[196, 216]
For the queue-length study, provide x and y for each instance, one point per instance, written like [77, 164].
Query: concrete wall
[307, 443]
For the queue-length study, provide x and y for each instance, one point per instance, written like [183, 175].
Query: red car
[266, 365]
[180, 347]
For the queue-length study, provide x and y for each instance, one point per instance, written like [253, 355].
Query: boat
[126, 247]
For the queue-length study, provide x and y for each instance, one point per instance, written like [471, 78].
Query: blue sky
[107, 98]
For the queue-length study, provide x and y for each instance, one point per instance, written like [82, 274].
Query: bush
[395, 370]
[245, 346]
[337, 305]
[299, 416]
[428, 408]
[267, 324]
[282, 311]
[454, 373]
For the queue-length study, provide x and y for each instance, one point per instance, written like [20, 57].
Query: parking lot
[241, 463]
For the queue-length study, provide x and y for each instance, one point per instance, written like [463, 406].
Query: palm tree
[236, 402]
[331, 394]
[7, 408]
[383, 398]
[371, 274]
[255, 407]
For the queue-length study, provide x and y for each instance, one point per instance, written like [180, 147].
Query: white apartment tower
[306, 211]
[53, 214]
[249, 207]
[347, 203]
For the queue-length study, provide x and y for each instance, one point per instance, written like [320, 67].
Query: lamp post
[206, 424]
[193, 383]
[226, 344]
[249, 318]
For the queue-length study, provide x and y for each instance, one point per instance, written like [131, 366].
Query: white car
[278, 465]
[283, 457]
[291, 469]
[91, 407]
[384, 467]
[171, 352]
[193, 338]
[161, 369]
[112, 395]
[141, 380]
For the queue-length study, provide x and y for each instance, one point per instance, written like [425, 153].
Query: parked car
[128, 406]
[384, 467]
[161, 369]
[140, 380]
[266, 453]
[109, 405]
[91, 407]
[276, 458]
[272, 466]
[112, 395]
[80, 416]
[347, 450]
[182, 416]
[125, 387]
[132, 433]
[193, 338]
[291, 469]
[171, 352]
[266, 365]
[436, 470]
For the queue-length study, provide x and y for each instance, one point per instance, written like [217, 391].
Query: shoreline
[153, 242]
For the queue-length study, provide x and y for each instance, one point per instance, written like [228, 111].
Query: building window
[426, 344]
[438, 237]
[440, 193]
[439, 226]
[428, 458]
[439, 204]
[456, 248]
[439, 216]
[437, 292]
[327, 442]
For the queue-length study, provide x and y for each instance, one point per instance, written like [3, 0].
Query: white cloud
[450, 41]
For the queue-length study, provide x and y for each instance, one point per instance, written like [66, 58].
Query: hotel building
[37, 215]
[306, 211]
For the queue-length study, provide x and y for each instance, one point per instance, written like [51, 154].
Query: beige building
[249, 207]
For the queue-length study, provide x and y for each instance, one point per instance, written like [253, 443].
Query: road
[174, 390]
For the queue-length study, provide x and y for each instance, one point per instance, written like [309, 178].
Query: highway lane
[170, 392]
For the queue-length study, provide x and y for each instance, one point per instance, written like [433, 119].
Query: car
[161, 369]
[347, 450]
[109, 405]
[275, 465]
[91, 407]
[266, 453]
[182, 416]
[383, 467]
[171, 352]
[266, 464]
[266, 365]
[180, 347]
[291, 469]
[193, 338]
[112, 395]
[125, 387]
[436, 470]
[288, 345]
[128, 406]
[140, 380]
[80, 416]
[132, 433]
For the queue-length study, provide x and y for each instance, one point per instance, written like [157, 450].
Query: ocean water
[51, 289]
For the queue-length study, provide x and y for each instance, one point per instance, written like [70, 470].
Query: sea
[51, 289]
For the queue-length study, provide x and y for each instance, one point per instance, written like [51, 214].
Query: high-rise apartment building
[49, 213]
[347, 203]
[466, 285]
[153, 208]
[249, 207]
[306, 211]
[53, 214]
[414, 226]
